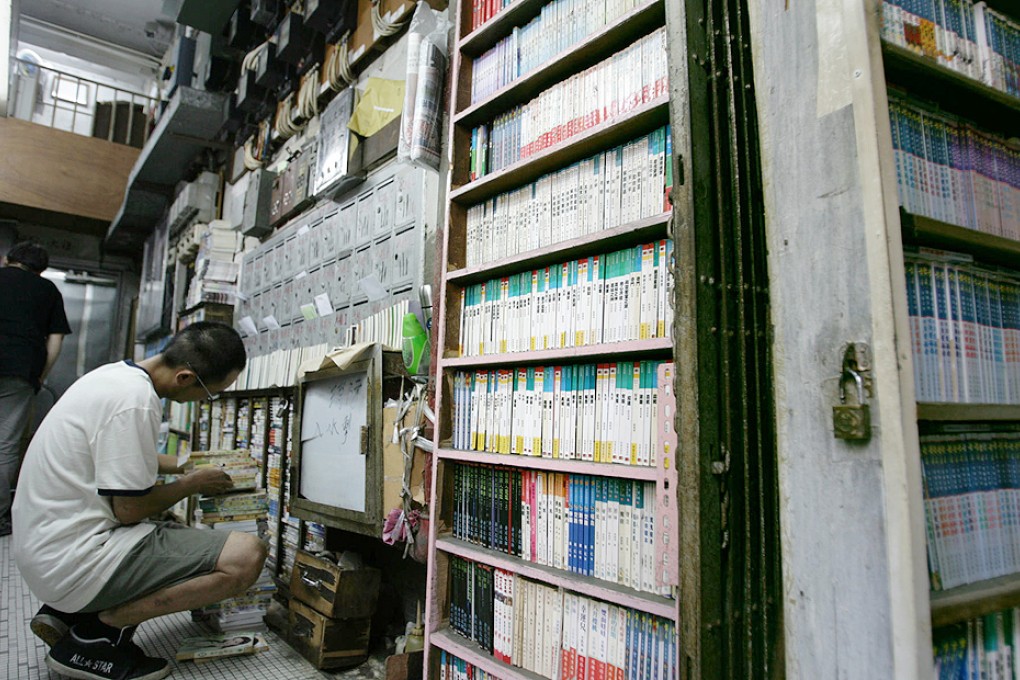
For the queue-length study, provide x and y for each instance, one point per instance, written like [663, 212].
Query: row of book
[985, 648]
[627, 183]
[615, 297]
[484, 10]
[216, 430]
[258, 436]
[967, 37]
[602, 413]
[604, 92]
[965, 329]
[454, 668]
[555, 633]
[560, 25]
[972, 505]
[595, 526]
[949, 171]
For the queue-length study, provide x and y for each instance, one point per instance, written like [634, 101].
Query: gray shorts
[169, 554]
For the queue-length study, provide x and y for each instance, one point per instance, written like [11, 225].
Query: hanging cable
[308, 95]
[338, 66]
[381, 26]
[251, 59]
[254, 148]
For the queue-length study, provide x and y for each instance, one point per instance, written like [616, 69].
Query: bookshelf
[954, 96]
[519, 220]
[260, 420]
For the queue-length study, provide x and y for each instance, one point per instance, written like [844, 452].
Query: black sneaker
[102, 659]
[50, 625]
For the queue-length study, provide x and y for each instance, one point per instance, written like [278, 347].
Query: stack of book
[246, 512]
[215, 278]
[236, 506]
[241, 467]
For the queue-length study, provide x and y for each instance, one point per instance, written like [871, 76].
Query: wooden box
[328, 643]
[332, 591]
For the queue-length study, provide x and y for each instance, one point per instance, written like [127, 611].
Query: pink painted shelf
[639, 472]
[583, 585]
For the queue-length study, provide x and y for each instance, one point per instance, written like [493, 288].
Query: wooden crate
[328, 643]
[334, 592]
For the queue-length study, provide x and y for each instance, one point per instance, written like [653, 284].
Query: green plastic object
[415, 345]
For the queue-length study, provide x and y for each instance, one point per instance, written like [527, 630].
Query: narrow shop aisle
[22, 655]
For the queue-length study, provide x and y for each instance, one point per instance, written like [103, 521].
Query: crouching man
[82, 538]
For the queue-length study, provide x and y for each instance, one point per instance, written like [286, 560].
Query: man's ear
[185, 377]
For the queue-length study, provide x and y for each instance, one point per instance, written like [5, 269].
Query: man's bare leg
[238, 566]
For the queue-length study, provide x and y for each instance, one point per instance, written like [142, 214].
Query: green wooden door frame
[731, 581]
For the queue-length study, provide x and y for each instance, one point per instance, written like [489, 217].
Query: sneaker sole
[79, 674]
[48, 628]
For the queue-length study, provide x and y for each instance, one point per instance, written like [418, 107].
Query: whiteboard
[333, 411]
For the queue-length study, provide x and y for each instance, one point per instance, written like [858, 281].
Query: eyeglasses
[212, 397]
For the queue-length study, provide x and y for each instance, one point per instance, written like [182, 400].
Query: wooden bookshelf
[593, 49]
[968, 413]
[990, 248]
[583, 585]
[957, 605]
[619, 130]
[455, 277]
[952, 91]
[639, 472]
[637, 231]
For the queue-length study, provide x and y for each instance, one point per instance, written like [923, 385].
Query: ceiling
[144, 26]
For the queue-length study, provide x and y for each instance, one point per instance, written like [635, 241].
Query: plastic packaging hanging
[423, 91]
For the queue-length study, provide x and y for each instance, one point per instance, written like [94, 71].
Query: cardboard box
[332, 591]
[393, 464]
[328, 643]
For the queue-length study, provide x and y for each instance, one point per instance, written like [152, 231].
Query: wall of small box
[338, 263]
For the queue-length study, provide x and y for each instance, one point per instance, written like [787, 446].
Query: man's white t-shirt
[98, 440]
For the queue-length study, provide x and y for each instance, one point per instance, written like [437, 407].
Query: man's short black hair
[212, 349]
[31, 255]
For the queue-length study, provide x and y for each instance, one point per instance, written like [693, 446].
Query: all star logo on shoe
[96, 665]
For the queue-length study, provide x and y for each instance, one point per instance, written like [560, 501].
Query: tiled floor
[22, 655]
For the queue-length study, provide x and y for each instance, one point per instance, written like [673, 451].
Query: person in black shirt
[32, 329]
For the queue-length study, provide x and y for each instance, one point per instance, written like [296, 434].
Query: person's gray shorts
[169, 554]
